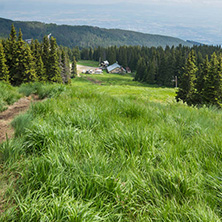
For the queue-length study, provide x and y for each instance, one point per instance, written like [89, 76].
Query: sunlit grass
[123, 85]
[114, 153]
[88, 63]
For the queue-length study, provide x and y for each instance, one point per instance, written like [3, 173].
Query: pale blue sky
[198, 20]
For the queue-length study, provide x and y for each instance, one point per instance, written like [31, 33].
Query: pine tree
[186, 90]
[90, 53]
[201, 81]
[151, 72]
[123, 56]
[39, 67]
[65, 68]
[45, 55]
[212, 92]
[24, 70]
[162, 70]
[4, 73]
[10, 49]
[54, 72]
[74, 68]
[29, 73]
[141, 70]
[170, 69]
[76, 53]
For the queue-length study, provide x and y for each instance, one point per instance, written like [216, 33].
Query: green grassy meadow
[88, 63]
[117, 150]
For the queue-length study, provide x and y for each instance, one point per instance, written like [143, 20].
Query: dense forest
[87, 36]
[22, 63]
[152, 65]
[202, 84]
[199, 80]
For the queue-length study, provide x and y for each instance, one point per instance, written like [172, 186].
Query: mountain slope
[87, 36]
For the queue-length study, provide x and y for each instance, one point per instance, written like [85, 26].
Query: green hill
[87, 36]
[107, 148]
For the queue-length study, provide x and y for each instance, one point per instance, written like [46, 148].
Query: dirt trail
[95, 81]
[6, 130]
[8, 115]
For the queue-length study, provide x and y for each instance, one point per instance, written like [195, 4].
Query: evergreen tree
[10, 48]
[111, 55]
[76, 53]
[123, 56]
[54, 72]
[141, 70]
[29, 73]
[65, 68]
[162, 69]
[186, 89]
[74, 68]
[200, 83]
[170, 69]
[212, 92]
[24, 70]
[4, 73]
[39, 67]
[151, 72]
[45, 55]
[90, 53]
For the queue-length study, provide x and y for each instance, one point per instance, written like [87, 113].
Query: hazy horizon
[196, 20]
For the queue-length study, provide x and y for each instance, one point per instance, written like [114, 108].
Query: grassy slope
[92, 155]
[8, 95]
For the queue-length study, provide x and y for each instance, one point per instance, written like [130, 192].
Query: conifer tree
[54, 72]
[162, 69]
[65, 68]
[39, 67]
[201, 80]
[141, 70]
[122, 56]
[10, 48]
[29, 74]
[212, 92]
[74, 68]
[151, 72]
[186, 89]
[76, 53]
[4, 73]
[45, 55]
[24, 70]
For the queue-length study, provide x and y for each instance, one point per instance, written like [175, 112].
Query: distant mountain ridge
[87, 36]
[195, 43]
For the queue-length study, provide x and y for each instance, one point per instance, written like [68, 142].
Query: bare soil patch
[8, 115]
[81, 68]
[94, 81]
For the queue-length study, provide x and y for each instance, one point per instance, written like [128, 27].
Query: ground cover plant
[8, 95]
[88, 154]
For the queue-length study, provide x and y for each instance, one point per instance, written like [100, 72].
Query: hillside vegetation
[116, 150]
[87, 36]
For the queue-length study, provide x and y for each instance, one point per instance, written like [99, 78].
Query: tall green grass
[8, 95]
[89, 155]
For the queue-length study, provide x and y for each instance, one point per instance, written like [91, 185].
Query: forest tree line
[201, 84]
[152, 65]
[23, 63]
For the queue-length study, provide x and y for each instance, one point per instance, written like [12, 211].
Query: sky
[197, 20]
